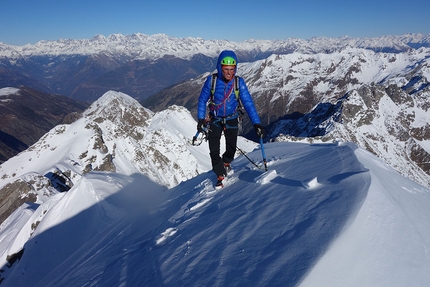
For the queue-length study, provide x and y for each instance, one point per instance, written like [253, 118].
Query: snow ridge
[318, 206]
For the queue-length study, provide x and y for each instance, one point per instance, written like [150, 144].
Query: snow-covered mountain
[378, 100]
[297, 82]
[141, 65]
[323, 215]
[313, 73]
[142, 46]
[114, 134]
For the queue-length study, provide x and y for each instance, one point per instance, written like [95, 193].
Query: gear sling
[213, 106]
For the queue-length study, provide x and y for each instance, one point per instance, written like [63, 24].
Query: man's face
[228, 72]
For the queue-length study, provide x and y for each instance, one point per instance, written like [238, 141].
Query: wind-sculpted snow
[262, 232]
[323, 215]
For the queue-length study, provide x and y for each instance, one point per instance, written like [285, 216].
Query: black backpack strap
[213, 84]
[236, 90]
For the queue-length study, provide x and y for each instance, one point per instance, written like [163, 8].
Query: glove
[201, 125]
[259, 130]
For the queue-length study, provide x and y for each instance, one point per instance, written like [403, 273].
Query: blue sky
[29, 21]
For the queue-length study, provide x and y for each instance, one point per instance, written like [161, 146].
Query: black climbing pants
[230, 129]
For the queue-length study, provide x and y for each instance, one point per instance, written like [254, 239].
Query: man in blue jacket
[224, 103]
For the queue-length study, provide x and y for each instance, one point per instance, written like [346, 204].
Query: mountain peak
[115, 133]
[111, 97]
[118, 108]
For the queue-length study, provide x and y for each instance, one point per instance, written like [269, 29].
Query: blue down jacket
[226, 105]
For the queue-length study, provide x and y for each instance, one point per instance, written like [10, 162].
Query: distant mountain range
[143, 47]
[142, 65]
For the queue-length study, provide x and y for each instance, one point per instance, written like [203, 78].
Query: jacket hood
[225, 53]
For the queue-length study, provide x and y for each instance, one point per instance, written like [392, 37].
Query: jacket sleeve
[204, 98]
[248, 103]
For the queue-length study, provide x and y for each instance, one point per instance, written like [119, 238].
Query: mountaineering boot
[227, 167]
[219, 183]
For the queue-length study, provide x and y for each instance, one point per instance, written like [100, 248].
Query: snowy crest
[115, 134]
[323, 215]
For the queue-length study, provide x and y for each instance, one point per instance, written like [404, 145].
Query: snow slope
[323, 215]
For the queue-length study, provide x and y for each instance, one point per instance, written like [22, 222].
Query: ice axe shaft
[263, 153]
